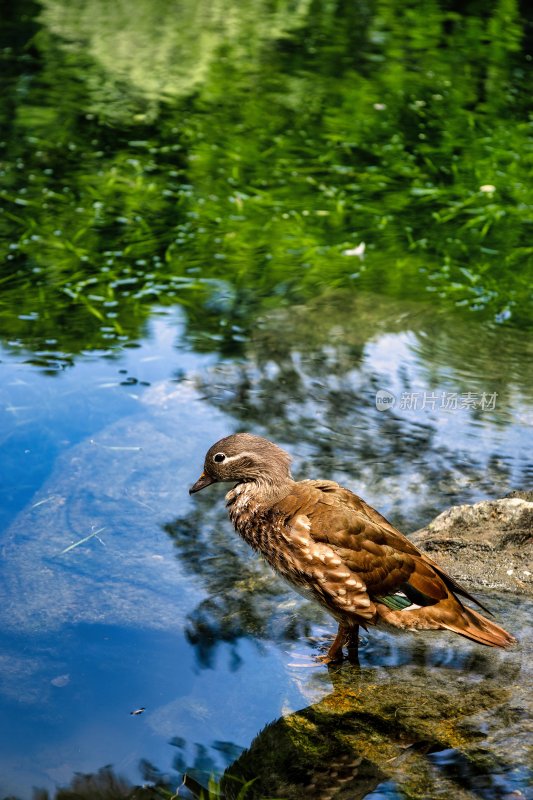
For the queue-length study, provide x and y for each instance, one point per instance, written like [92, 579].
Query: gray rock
[487, 545]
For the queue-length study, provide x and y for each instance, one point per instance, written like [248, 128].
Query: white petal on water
[358, 251]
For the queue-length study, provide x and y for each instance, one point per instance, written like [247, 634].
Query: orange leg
[345, 636]
[353, 644]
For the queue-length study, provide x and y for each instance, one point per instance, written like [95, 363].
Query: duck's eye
[219, 457]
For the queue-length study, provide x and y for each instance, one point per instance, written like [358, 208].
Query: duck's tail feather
[447, 614]
[474, 626]
[454, 586]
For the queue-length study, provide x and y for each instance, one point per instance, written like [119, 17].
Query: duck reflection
[382, 727]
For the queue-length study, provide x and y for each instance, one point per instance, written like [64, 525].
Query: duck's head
[244, 458]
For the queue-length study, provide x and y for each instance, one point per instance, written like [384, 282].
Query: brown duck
[335, 548]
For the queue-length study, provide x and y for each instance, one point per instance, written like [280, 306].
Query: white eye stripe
[239, 456]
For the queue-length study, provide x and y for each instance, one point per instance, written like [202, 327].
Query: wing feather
[355, 562]
[345, 534]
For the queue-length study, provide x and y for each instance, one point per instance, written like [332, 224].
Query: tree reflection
[309, 379]
[102, 785]
[243, 150]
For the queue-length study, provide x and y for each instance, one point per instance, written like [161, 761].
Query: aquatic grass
[263, 190]
[230, 786]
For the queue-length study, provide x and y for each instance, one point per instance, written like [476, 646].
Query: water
[164, 608]
[173, 234]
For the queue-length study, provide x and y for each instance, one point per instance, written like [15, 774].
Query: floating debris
[115, 447]
[81, 541]
[42, 502]
[61, 680]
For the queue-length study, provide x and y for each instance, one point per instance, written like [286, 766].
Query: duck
[334, 548]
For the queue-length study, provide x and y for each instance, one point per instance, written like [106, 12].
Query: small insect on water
[137, 711]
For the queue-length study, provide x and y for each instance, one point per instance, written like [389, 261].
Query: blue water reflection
[164, 608]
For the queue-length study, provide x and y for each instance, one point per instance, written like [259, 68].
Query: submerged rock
[488, 545]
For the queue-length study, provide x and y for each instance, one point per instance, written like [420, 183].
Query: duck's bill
[203, 481]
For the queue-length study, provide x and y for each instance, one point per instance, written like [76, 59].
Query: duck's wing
[369, 546]
[347, 559]
[450, 582]
[362, 568]
[352, 503]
